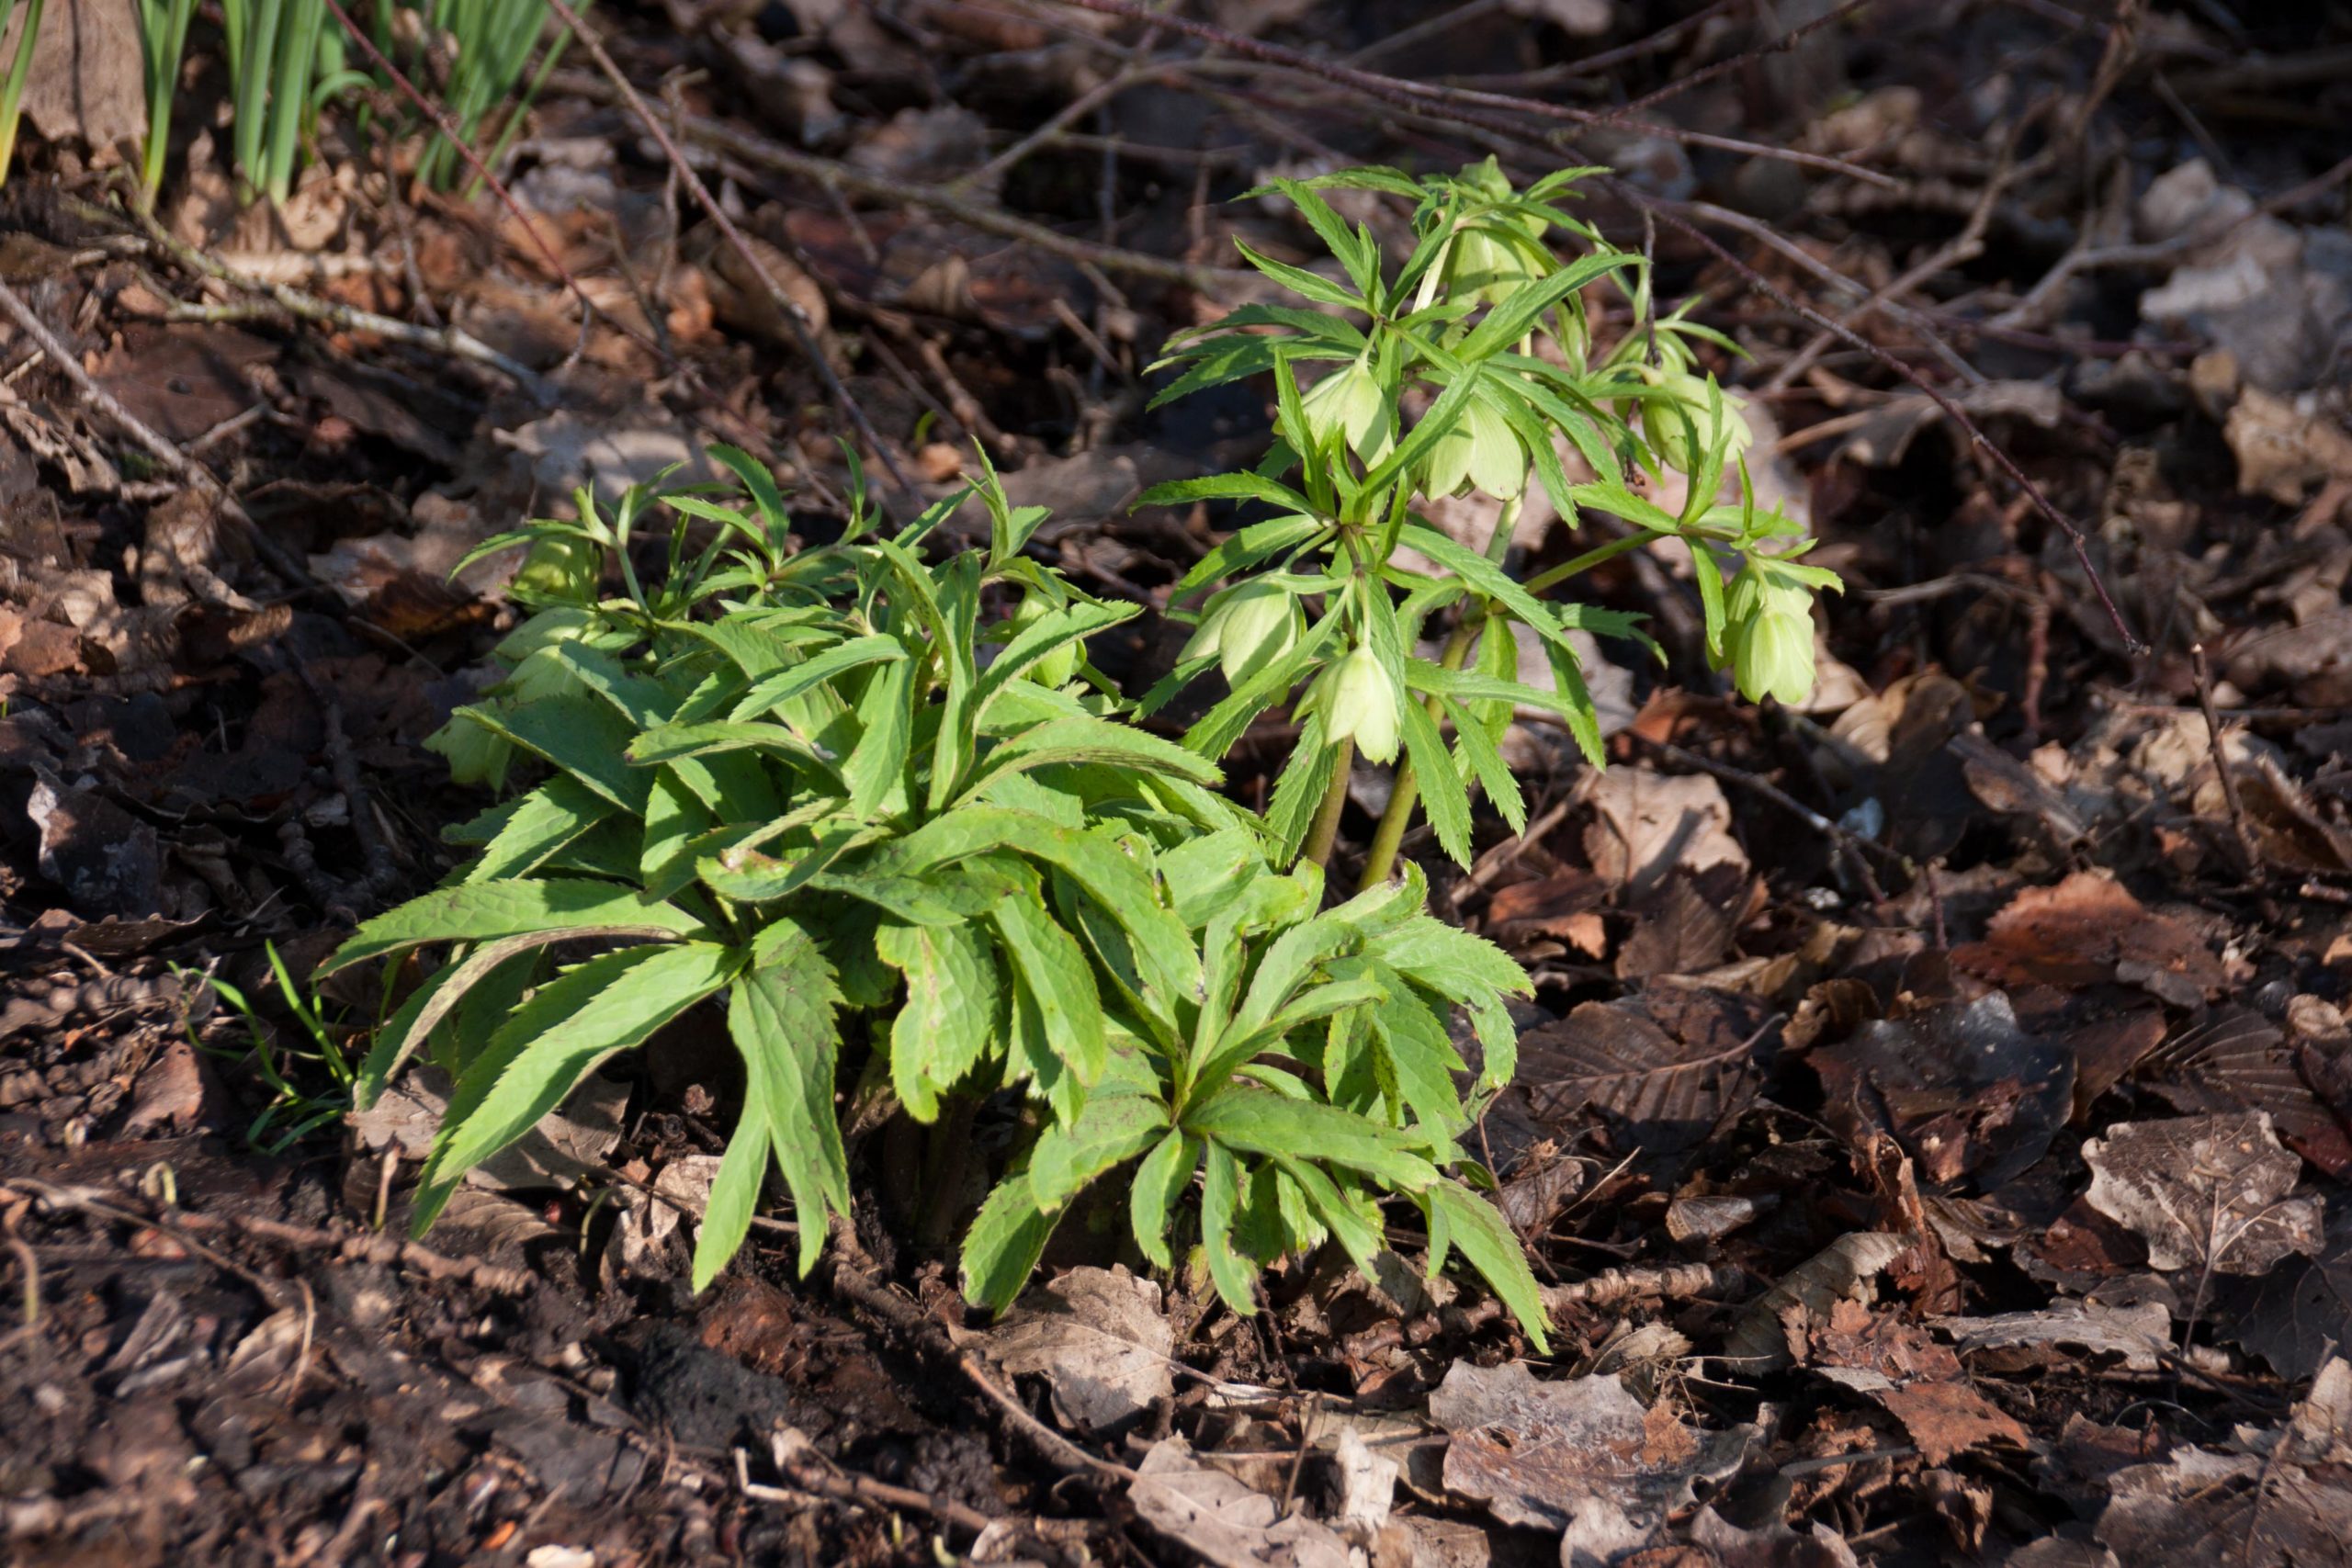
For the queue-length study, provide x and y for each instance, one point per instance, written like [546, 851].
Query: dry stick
[449, 340]
[836, 177]
[1781, 45]
[156, 443]
[794, 317]
[1952, 411]
[1592, 64]
[1964, 246]
[1395, 88]
[2222, 762]
[1675, 1282]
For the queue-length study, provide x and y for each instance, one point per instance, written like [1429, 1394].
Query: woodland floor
[1936, 1117]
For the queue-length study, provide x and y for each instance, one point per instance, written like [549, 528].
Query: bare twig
[1424, 95]
[832, 175]
[2222, 761]
[791, 312]
[1781, 45]
[157, 445]
[1677, 1282]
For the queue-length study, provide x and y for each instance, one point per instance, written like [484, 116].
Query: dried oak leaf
[1967, 1091]
[2237, 1060]
[2088, 930]
[1580, 1455]
[2208, 1192]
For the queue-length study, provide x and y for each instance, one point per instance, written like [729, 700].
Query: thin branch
[1781, 45]
[1398, 89]
[794, 317]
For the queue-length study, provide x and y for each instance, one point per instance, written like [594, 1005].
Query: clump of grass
[163, 41]
[490, 44]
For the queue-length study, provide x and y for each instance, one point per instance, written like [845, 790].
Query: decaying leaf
[1101, 1341]
[2301, 1311]
[1967, 1091]
[2067, 1332]
[1665, 1068]
[2207, 1192]
[1917, 1381]
[2088, 930]
[1764, 1340]
[1645, 825]
[1227, 1522]
[2239, 1061]
[1580, 1455]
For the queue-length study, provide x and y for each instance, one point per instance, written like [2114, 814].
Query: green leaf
[1245, 548]
[1050, 632]
[672, 741]
[1299, 281]
[735, 1191]
[780, 1014]
[771, 692]
[875, 768]
[1472, 1223]
[578, 733]
[950, 1013]
[1226, 487]
[1421, 1058]
[1475, 746]
[1236, 1281]
[1001, 1250]
[536, 825]
[1112, 1129]
[1084, 739]
[569, 1026]
[1519, 313]
[1204, 873]
[1160, 1185]
[489, 912]
[1058, 981]
[1256, 1122]
[1442, 796]
[1357, 1236]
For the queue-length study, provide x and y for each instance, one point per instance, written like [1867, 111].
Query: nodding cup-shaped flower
[1055, 668]
[562, 567]
[1683, 427]
[1770, 643]
[1350, 403]
[1481, 451]
[1360, 705]
[1246, 628]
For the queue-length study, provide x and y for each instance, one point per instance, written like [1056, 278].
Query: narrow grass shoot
[20, 69]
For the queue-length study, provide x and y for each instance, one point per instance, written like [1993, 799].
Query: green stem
[1593, 558]
[1405, 793]
[1326, 831]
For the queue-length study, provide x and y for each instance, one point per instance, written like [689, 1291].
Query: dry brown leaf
[1099, 1339]
[1645, 825]
[2206, 1192]
[1227, 1522]
[1762, 1340]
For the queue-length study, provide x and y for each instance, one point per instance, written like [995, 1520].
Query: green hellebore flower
[1773, 656]
[1689, 411]
[1482, 451]
[1363, 705]
[564, 622]
[1350, 403]
[1246, 628]
[1057, 668]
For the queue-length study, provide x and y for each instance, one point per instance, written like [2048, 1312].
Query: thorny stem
[1405, 792]
[1325, 830]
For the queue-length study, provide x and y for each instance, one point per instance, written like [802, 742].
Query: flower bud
[1683, 428]
[1363, 705]
[1055, 668]
[559, 567]
[1349, 402]
[1246, 628]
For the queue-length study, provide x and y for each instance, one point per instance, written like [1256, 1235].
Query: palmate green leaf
[1582, 717]
[1247, 547]
[1337, 331]
[751, 877]
[1442, 795]
[959, 602]
[1299, 790]
[1351, 984]
[1218, 361]
[1007, 1237]
[674, 818]
[1042, 639]
[780, 1015]
[637, 697]
[672, 741]
[1475, 751]
[950, 1014]
[571, 1024]
[1518, 314]
[490, 911]
[1057, 981]
[536, 825]
[1355, 1226]
[1223, 724]
[1419, 1058]
[1160, 1185]
[1361, 258]
[1111, 1129]
[875, 768]
[1258, 1122]
[761, 646]
[1204, 874]
[1459, 1216]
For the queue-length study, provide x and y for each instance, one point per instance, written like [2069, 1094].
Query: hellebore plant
[1489, 328]
[924, 882]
